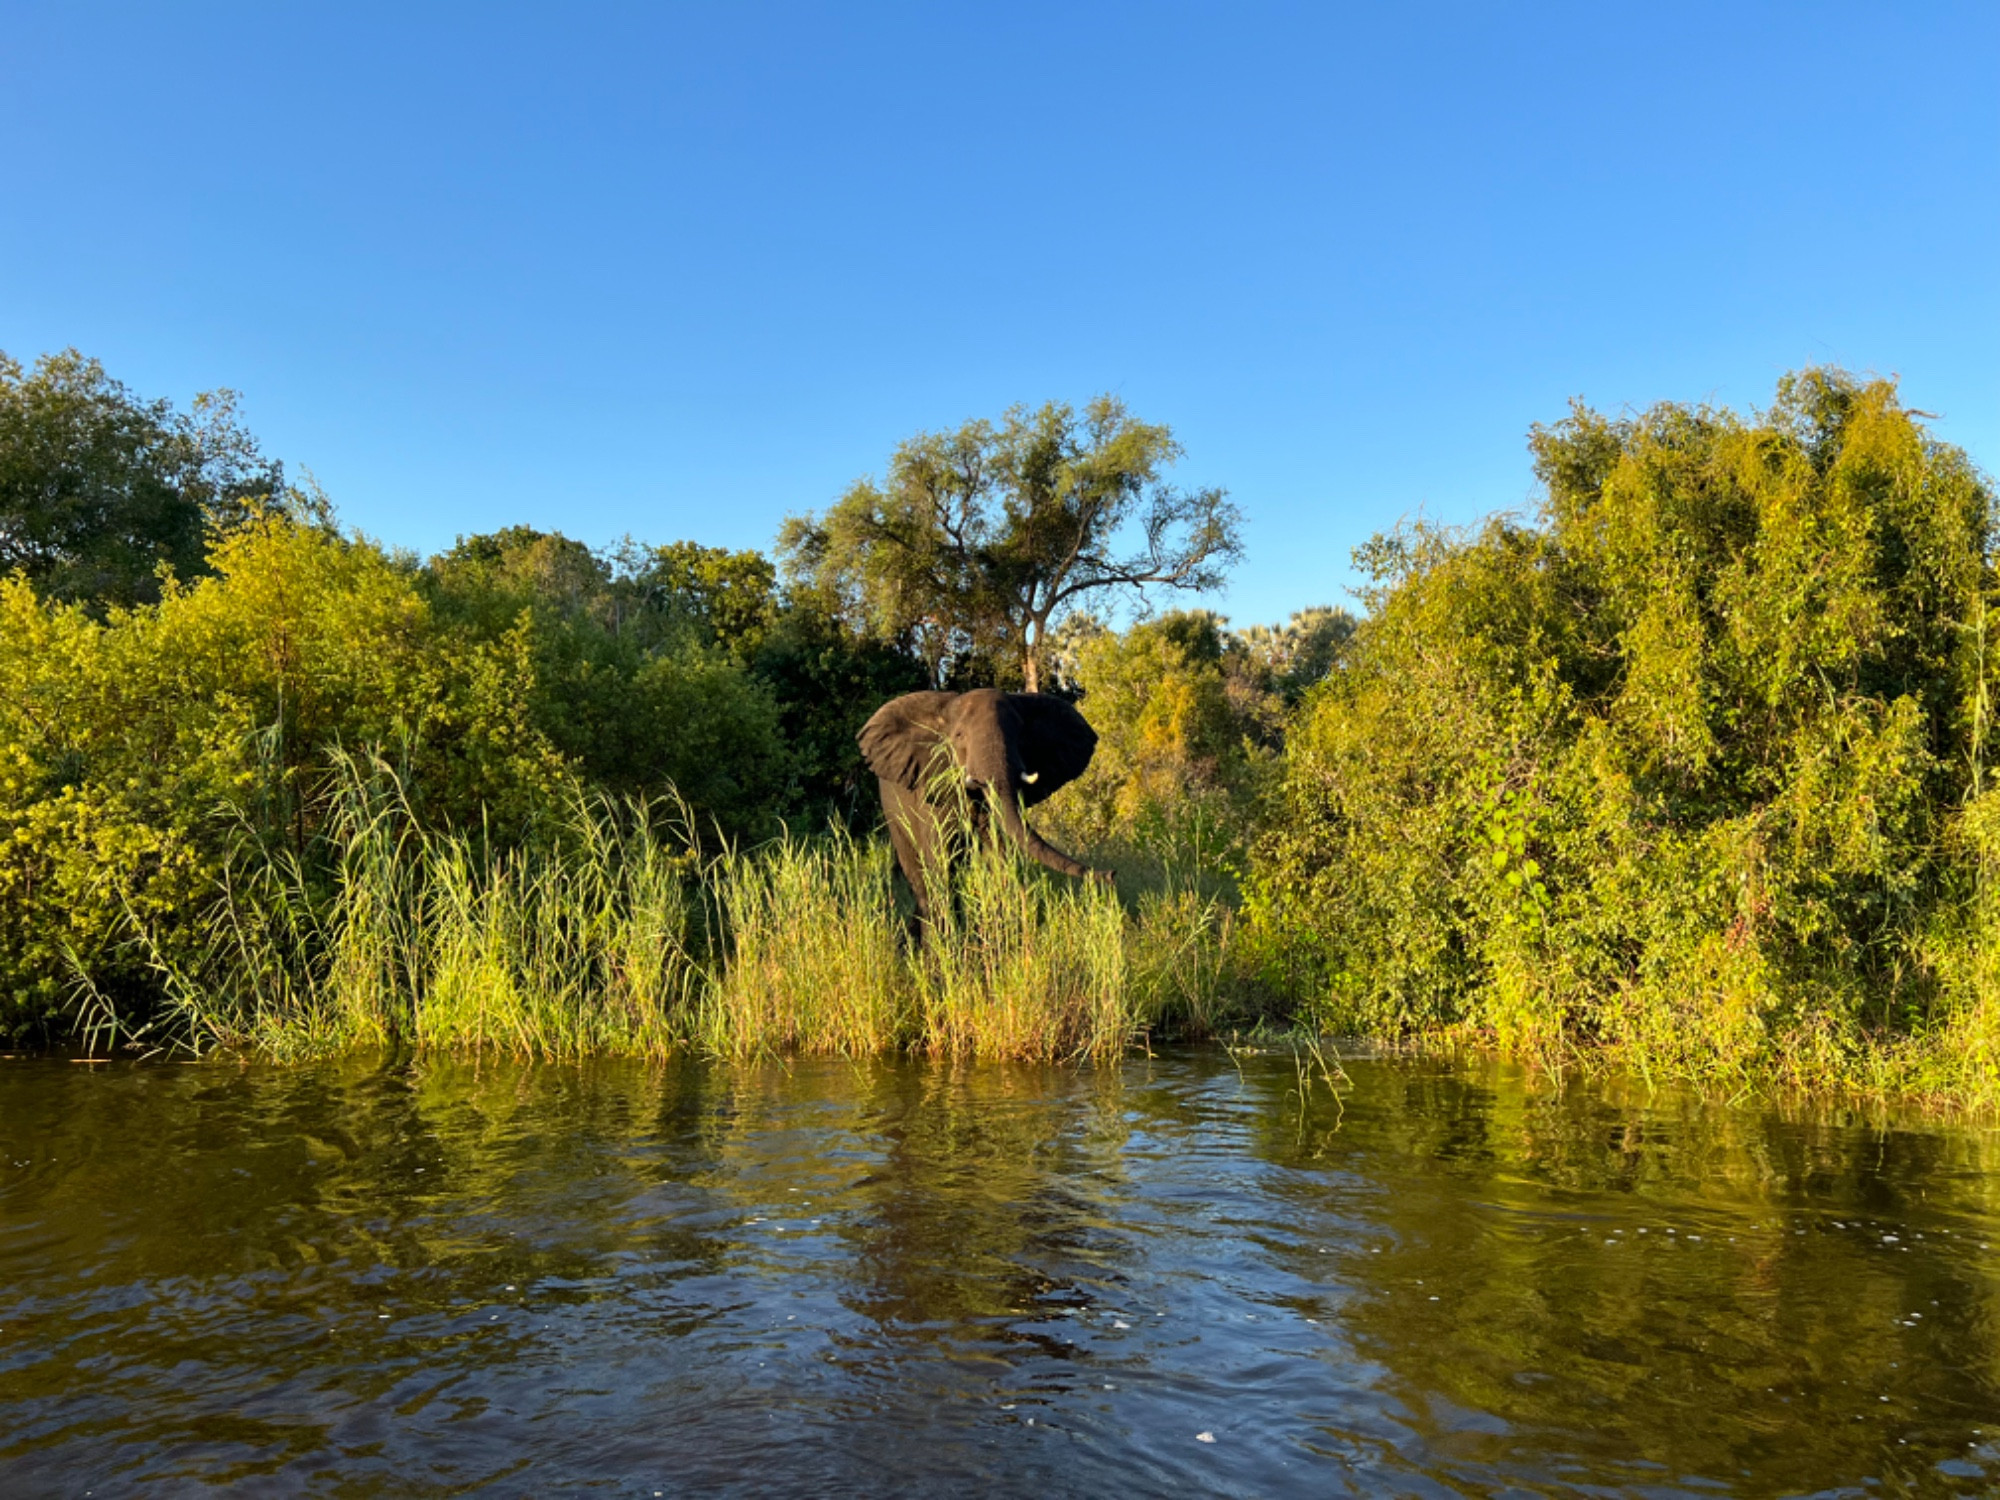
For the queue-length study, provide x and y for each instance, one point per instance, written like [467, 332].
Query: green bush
[630, 680]
[1674, 770]
[1182, 749]
[135, 748]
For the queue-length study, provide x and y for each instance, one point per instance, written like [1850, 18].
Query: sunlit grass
[1020, 966]
[614, 935]
[810, 958]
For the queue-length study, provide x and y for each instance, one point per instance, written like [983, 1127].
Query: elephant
[1006, 750]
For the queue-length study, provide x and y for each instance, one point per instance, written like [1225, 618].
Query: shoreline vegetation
[621, 937]
[1688, 773]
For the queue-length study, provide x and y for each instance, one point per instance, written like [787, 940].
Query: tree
[1692, 766]
[1289, 659]
[631, 679]
[98, 489]
[732, 596]
[981, 541]
[679, 663]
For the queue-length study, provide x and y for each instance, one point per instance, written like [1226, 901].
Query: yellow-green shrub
[1668, 772]
[136, 747]
[1173, 782]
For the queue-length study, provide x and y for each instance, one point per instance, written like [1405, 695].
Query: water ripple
[843, 1279]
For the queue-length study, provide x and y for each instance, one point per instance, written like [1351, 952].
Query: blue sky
[678, 270]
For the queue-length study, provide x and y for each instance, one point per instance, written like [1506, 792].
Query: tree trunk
[1033, 637]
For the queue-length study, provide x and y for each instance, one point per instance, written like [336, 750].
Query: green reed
[1016, 965]
[614, 934]
[810, 951]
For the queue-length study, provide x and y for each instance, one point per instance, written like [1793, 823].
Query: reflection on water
[827, 1278]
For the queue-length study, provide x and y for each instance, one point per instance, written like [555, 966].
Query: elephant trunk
[1007, 804]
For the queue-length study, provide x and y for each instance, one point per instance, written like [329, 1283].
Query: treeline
[1689, 768]
[189, 646]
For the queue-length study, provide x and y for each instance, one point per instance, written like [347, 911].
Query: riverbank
[1689, 772]
[620, 938]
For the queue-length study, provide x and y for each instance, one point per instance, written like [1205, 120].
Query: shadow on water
[363, 1279]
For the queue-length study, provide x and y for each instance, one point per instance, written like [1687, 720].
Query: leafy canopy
[980, 541]
[99, 490]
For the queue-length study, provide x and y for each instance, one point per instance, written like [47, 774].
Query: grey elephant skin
[1007, 751]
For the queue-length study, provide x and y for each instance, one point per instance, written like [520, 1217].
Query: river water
[1183, 1273]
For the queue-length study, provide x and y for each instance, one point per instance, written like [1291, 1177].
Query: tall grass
[810, 952]
[392, 934]
[1017, 966]
[614, 934]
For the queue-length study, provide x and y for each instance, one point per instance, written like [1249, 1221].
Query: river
[1188, 1272]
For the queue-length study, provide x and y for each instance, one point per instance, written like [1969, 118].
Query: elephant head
[1010, 749]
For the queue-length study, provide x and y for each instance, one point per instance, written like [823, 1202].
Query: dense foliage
[626, 675]
[1693, 766]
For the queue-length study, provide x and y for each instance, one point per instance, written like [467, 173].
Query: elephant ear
[1056, 743]
[903, 738]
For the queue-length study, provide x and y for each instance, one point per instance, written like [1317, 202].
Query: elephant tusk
[1031, 777]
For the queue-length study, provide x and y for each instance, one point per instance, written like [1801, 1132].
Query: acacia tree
[980, 541]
